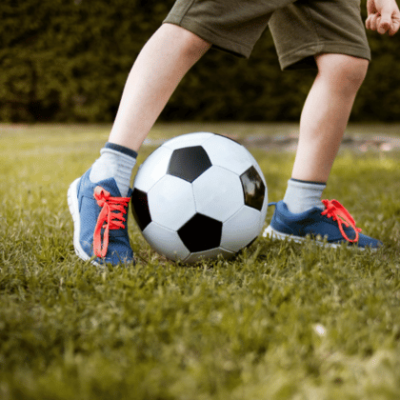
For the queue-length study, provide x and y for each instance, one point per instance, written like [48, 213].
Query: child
[326, 34]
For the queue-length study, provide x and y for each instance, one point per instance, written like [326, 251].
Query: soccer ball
[198, 196]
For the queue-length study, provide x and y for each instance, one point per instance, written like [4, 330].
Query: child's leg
[160, 66]
[322, 125]
[99, 200]
[326, 113]
[323, 121]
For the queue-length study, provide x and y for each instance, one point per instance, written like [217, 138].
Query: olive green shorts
[301, 29]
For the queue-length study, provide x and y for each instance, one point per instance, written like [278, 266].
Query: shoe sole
[74, 210]
[273, 234]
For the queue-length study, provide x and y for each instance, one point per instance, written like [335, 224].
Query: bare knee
[343, 72]
[191, 45]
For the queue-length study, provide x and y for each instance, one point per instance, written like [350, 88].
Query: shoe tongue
[111, 186]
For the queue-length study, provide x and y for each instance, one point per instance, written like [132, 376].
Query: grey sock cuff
[306, 184]
[114, 164]
[127, 160]
[121, 149]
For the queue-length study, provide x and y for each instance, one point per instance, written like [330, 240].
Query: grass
[282, 321]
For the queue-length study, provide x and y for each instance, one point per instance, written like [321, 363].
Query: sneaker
[335, 224]
[100, 221]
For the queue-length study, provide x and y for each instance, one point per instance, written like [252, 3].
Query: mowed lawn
[282, 321]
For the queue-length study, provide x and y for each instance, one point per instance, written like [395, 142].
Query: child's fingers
[371, 22]
[368, 23]
[383, 23]
[385, 19]
[376, 22]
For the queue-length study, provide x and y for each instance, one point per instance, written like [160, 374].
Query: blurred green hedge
[67, 60]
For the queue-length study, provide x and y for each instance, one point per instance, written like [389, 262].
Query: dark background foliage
[67, 60]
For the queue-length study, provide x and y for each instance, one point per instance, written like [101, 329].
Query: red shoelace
[111, 217]
[334, 210]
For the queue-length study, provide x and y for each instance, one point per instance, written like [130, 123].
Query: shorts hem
[238, 49]
[300, 58]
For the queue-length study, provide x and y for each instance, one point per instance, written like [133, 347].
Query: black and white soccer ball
[198, 196]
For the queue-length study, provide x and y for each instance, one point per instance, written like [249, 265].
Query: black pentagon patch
[253, 188]
[188, 163]
[201, 233]
[140, 208]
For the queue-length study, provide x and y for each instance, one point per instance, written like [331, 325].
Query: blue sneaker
[100, 216]
[335, 224]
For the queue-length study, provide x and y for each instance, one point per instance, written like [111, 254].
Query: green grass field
[282, 321]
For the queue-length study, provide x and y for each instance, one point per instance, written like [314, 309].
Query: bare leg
[323, 121]
[326, 113]
[160, 66]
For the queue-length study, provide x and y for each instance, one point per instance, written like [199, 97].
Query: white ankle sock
[115, 162]
[300, 196]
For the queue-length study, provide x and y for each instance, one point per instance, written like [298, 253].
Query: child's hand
[383, 16]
